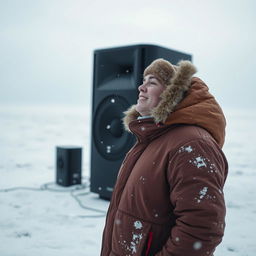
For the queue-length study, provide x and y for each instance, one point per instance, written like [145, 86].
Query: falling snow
[142, 179]
[186, 149]
[131, 247]
[199, 162]
[136, 238]
[137, 224]
[108, 148]
[177, 239]
[117, 221]
[202, 194]
[197, 245]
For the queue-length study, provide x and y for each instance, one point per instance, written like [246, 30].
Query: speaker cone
[109, 136]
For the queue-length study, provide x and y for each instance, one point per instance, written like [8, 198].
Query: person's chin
[139, 108]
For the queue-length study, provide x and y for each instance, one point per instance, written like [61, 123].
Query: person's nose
[142, 87]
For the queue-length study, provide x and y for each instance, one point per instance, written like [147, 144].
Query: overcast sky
[46, 46]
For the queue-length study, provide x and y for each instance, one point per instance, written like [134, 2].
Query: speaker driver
[110, 138]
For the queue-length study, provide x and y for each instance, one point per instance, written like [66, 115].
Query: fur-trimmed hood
[186, 100]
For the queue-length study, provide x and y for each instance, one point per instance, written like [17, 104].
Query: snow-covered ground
[50, 222]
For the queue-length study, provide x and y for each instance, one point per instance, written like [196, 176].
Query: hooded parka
[168, 198]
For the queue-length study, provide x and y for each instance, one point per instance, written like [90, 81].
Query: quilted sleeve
[196, 173]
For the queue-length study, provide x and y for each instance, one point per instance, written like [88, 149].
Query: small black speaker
[117, 73]
[68, 165]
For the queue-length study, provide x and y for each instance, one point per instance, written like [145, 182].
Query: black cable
[46, 186]
[76, 197]
[19, 188]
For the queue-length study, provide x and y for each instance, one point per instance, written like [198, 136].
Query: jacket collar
[147, 130]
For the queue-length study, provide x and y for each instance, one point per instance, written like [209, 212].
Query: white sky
[46, 46]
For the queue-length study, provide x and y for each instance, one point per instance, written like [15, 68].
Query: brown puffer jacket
[168, 198]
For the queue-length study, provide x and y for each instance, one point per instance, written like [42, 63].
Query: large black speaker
[117, 73]
[68, 165]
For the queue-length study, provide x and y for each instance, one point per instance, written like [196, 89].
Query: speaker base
[105, 198]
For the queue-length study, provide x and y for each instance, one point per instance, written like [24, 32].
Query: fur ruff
[171, 96]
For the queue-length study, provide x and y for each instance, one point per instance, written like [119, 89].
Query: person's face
[149, 95]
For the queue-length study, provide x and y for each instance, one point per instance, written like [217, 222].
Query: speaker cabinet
[68, 165]
[117, 73]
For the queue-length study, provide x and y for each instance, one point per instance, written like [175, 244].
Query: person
[168, 198]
